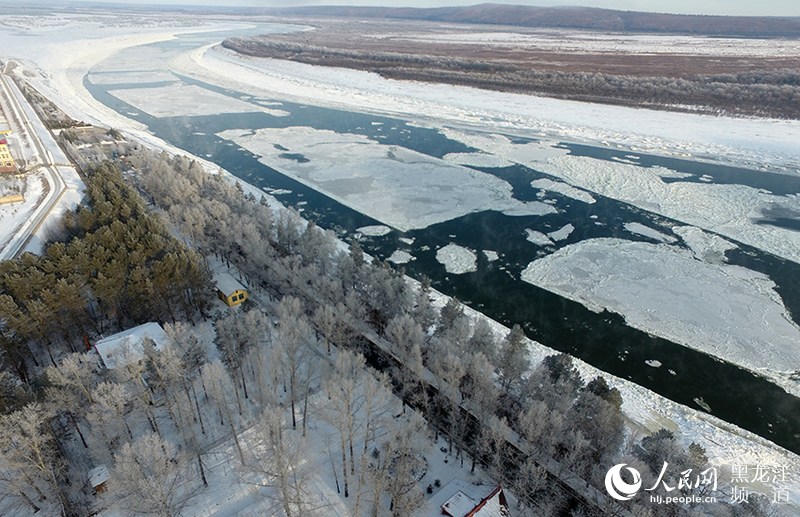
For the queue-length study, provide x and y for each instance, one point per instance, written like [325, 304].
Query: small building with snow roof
[127, 347]
[229, 290]
[462, 499]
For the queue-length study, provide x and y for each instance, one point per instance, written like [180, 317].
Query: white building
[127, 347]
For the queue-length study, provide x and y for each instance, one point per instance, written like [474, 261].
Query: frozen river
[523, 227]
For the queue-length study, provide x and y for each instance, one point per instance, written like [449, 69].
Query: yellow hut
[229, 289]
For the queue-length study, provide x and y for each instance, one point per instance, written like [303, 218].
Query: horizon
[776, 8]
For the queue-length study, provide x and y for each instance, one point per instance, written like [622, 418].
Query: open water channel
[601, 339]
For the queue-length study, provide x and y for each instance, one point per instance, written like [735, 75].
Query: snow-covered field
[401, 188]
[614, 43]
[726, 311]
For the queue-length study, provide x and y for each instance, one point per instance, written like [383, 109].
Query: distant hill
[570, 18]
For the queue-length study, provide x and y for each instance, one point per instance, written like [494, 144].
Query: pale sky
[727, 7]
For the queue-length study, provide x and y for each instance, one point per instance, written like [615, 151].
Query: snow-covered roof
[126, 347]
[491, 506]
[460, 498]
[98, 475]
[459, 505]
[226, 283]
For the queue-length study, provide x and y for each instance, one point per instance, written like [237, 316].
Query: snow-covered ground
[401, 188]
[14, 215]
[726, 311]
[457, 259]
[616, 43]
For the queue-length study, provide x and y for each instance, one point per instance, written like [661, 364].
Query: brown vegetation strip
[740, 86]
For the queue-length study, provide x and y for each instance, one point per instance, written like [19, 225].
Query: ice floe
[374, 231]
[564, 189]
[650, 233]
[705, 246]
[477, 159]
[537, 238]
[729, 210]
[401, 257]
[401, 188]
[457, 259]
[491, 256]
[562, 233]
[176, 100]
[726, 311]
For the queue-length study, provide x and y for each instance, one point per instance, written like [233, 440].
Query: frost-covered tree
[293, 337]
[219, 386]
[30, 463]
[483, 339]
[72, 386]
[343, 406]
[107, 414]
[404, 333]
[512, 360]
[277, 461]
[150, 477]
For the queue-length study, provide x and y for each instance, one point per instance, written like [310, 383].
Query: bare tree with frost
[151, 477]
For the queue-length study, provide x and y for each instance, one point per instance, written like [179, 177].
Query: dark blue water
[603, 340]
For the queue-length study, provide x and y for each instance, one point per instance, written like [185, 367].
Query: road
[25, 129]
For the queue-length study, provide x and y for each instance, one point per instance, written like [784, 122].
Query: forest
[336, 356]
[749, 91]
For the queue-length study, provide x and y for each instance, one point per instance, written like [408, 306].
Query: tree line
[764, 93]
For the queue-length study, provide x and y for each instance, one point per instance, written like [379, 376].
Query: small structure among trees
[229, 290]
[127, 347]
[468, 500]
